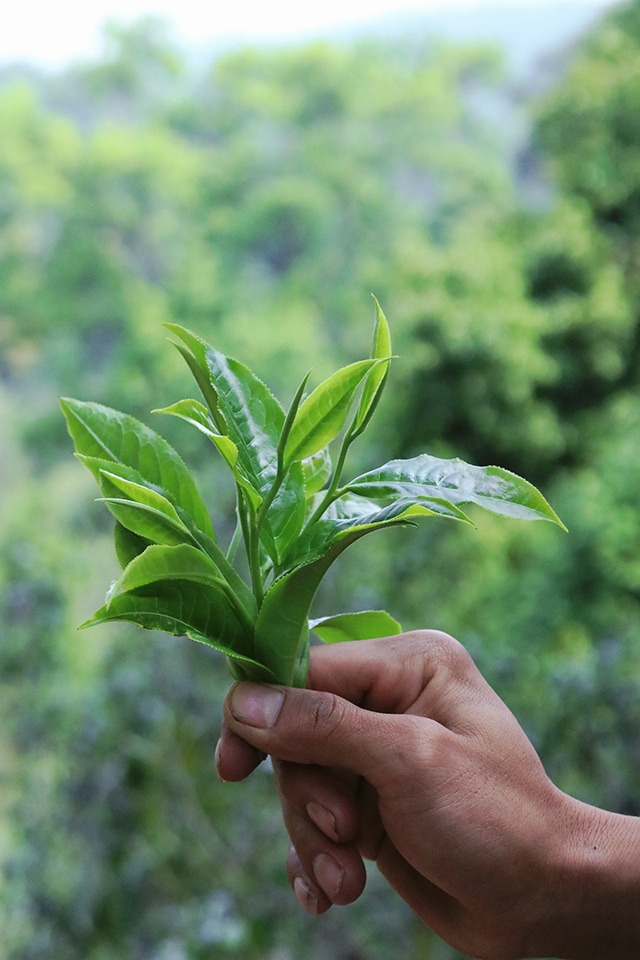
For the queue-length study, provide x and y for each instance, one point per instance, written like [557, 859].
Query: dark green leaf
[128, 544]
[287, 512]
[179, 607]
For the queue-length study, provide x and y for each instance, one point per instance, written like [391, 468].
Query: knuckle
[326, 711]
[446, 653]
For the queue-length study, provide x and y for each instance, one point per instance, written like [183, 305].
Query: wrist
[592, 901]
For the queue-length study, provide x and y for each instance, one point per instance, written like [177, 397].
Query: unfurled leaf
[322, 415]
[365, 625]
[197, 414]
[164, 563]
[98, 467]
[104, 433]
[454, 481]
[287, 512]
[179, 607]
[194, 351]
[352, 512]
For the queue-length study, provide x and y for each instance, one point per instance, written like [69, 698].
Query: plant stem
[253, 555]
[333, 492]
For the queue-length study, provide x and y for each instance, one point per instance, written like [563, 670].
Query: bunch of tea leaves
[295, 513]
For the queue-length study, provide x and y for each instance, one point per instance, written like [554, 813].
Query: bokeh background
[480, 173]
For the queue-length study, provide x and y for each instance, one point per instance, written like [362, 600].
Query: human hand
[400, 752]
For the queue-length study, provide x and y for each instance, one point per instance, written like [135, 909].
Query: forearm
[593, 902]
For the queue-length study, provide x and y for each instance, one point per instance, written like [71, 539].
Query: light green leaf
[148, 522]
[98, 467]
[182, 562]
[322, 415]
[454, 481]
[107, 434]
[366, 625]
[377, 377]
[316, 470]
[197, 414]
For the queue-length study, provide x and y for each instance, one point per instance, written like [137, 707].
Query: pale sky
[54, 31]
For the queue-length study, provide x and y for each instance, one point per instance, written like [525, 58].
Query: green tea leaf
[454, 481]
[194, 352]
[197, 414]
[253, 419]
[179, 607]
[351, 512]
[377, 377]
[316, 471]
[128, 545]
[181, 562]
[148, 522]
[98, 466]
[322, 415]
[287, 512]
[107, 434]
[366, 625]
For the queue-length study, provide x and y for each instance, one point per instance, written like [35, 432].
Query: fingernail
[217, 761]
[255, 704]
[329, 874]
[306, 898]
[323, 819]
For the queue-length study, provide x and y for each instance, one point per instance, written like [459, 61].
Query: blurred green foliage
[260, 202]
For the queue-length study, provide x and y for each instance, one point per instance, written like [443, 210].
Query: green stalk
[333, 492]
[253, 555]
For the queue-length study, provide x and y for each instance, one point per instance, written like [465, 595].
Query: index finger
[414, 673]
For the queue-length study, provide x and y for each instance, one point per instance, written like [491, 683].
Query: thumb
[312, 726]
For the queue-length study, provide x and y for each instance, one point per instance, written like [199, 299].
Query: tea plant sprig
[295, 515]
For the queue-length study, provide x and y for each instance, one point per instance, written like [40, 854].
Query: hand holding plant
[295, 513]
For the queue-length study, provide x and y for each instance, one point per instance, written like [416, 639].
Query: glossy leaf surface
[316, 471]
[178, 607]
[365, 625]
[351, 512]
[322, 415]
[454, 481]
[195, 413]
[107, 434]
[181, 562]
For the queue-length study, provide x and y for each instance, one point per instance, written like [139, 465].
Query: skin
[400, 752]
